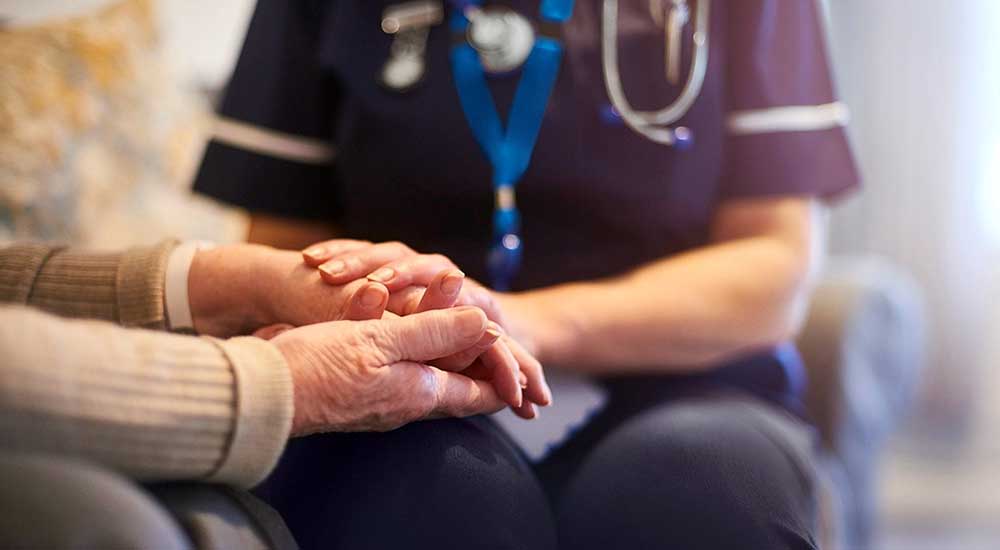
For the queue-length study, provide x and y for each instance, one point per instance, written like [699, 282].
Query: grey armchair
[863, 346]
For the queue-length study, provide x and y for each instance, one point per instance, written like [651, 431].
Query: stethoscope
[497, 41]
[656, 125]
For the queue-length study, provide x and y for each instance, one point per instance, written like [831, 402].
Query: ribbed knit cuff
[264, 409]
[140, 284]
[125, 288]
[19, 265]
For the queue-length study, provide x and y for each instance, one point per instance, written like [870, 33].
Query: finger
[270, 331]
[322, 252]
[405, 301]
[461, 396]
[506, 373]
[368, 302]
[417, 269]
[474, 294]
[360, 262]
[537, 390]
[526, 411]
[443, 291]
[424, 336]
[479, 371]
[463, 359]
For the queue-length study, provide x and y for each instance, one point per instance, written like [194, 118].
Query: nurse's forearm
[690, 311]
[287, 233]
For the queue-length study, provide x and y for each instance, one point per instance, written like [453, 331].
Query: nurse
[674, 278]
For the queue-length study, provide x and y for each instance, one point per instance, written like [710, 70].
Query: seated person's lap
[726, 471]
[443, 484]
[709, 471]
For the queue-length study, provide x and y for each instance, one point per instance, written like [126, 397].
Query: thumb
[429, 335]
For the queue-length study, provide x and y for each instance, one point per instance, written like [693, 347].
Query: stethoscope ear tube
[655, 125]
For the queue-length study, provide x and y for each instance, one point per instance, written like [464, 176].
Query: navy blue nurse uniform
[718, 460]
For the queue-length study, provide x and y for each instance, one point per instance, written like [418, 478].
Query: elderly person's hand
[407, 274]
[237, 289]
[243, 289]
[374, 375]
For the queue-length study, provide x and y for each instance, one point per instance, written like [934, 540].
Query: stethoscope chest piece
[502, 37]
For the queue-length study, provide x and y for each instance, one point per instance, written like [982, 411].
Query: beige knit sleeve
[152, 405]
[125, 288]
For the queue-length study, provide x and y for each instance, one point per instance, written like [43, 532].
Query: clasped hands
[375, 335]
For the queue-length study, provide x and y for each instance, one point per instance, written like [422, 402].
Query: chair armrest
[863, 347]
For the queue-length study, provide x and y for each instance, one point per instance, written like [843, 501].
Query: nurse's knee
[441, 483]
[464, 466]
[697, 475]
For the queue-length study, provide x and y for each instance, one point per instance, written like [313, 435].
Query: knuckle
[354, 264]
[370, 342]
[420, 394]
[440, 259]
[399, 248]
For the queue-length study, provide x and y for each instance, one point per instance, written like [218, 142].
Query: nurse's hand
[397, 266]
[411, 278]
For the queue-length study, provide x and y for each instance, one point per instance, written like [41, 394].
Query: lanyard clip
[504, 260]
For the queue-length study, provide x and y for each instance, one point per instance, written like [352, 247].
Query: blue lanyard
[509, 152]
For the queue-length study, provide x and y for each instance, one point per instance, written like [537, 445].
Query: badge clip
[409, 25]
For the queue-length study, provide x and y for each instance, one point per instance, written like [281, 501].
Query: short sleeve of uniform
[271, 149]
[785, 126]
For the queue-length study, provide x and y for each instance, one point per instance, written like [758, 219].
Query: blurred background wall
[922, 79]
[102, 119]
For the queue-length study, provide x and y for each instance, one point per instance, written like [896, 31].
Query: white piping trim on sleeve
[793, 118]
[271, 142]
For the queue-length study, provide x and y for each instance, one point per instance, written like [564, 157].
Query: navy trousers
[713, 470]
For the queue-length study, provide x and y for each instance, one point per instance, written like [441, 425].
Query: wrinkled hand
[420, 282]
[373, 375]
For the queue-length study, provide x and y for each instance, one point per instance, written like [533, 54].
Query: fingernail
[452, 283]
[336, 267]
[382, 275]
[489, 338]
[470, 320]
[520, 398]
[547, 394]
[371, 297]
[314, 252]
[523, 379]
[493, 333]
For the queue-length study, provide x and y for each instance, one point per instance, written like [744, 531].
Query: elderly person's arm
[165, 406]
[227, 291]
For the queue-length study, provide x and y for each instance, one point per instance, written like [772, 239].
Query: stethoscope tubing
[654, 124]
